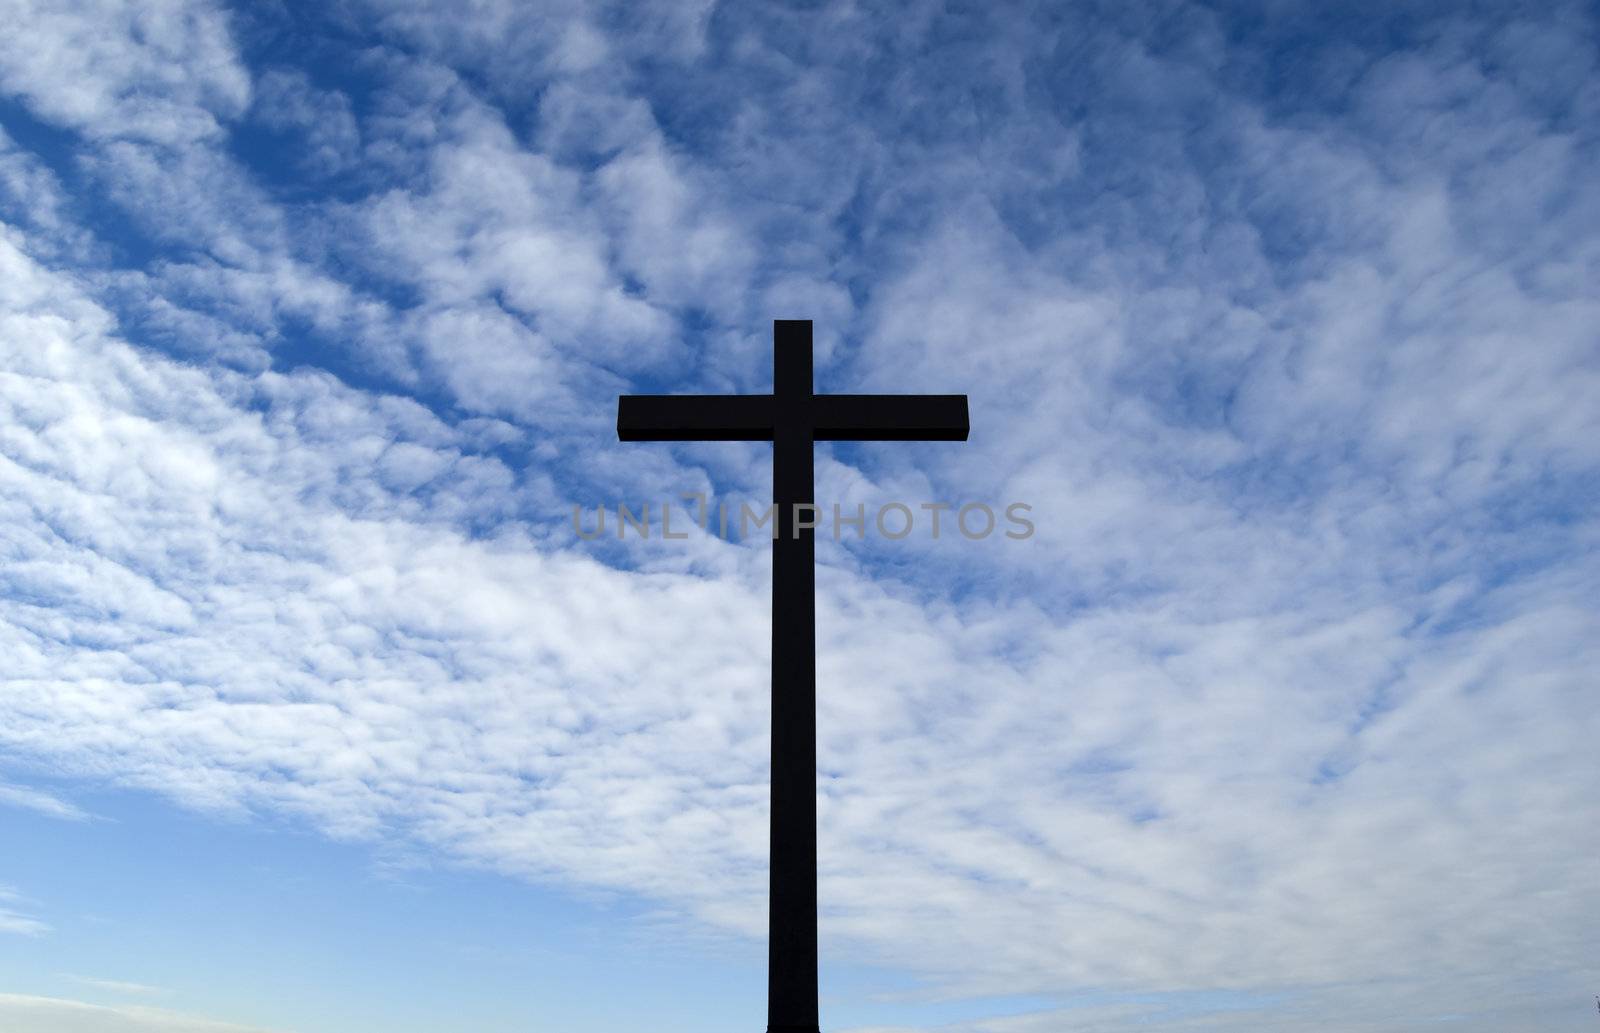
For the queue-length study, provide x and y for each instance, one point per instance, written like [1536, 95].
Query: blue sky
[318, 717]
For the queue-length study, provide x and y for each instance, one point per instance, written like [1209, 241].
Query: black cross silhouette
[792, 417]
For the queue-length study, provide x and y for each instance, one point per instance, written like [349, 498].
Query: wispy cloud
[11, 922]
[40, 802]
[14, 922]
[118, 986]
[56, 1015]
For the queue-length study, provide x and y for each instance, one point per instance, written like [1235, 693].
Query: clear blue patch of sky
[262, 921]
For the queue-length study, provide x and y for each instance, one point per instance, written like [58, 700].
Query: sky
[319, 716]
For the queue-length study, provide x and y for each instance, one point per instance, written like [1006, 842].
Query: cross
[792, 417]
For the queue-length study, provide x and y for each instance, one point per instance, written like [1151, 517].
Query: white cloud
[328, 136]
[163, 71]
[31, 195]
[671, 236]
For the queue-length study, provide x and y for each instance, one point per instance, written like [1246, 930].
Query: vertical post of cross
[792, 418]
[792, 900]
